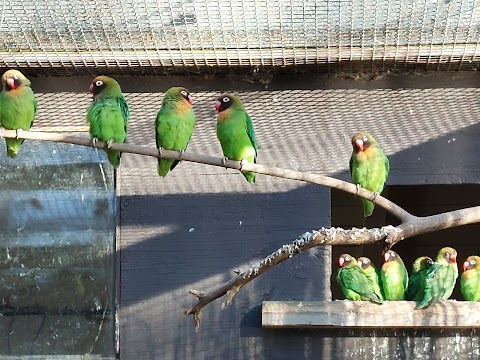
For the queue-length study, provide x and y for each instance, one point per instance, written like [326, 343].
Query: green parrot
[235, 132]
[394, 277]
[354, 282]
[470, 281]
[174, 126]
[369, 167]
[17, 107]
[108, 115]
[416, 283]
[440, 278]
[373, 274]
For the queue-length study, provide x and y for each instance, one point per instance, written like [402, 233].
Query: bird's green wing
[355, 279]
[251, 133]
[157, 120]
[414, 284]
[125, 111]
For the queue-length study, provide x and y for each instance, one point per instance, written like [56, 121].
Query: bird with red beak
[17, 107]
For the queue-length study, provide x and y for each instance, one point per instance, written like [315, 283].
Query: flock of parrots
[108, 115]
[429, 282]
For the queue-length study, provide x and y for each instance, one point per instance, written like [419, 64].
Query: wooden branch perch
[334, 236]
[388, 205]
[410, 225]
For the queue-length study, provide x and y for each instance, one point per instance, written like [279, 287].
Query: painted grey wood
[391, 314]
[161, 259]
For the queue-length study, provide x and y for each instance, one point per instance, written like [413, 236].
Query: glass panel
[57, 231]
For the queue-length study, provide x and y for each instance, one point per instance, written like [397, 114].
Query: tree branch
[410, 225]
[333, 236]
[388, 205]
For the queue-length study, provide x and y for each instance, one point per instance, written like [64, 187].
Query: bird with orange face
[17, 107]
[354, 282]
[369, 167]
[470, 281]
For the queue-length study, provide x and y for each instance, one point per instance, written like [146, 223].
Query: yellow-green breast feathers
[235, 132]
[174, 125]
[108, 115]
[17, 107]
[369, 166]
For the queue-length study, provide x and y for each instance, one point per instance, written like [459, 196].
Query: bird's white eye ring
[473, 262]
[365, 139]
[15, 76]
[225, 99]
[183, 92]
[99, 83]
[347, 258]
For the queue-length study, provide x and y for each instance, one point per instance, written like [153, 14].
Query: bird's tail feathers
[13, 146]
[114, 157]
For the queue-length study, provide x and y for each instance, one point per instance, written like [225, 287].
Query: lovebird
[470, 281]
[369, 167]
[373, 274]
[440, 279]
[174, 126]
[235, 132]
[17, 107]
[108, 115]
[394, 277]
[416, 283]
[354, 282]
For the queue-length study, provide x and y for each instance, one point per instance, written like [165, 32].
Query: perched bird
[108, 115]
[440, 278]
[470, 281]
[354, 282]
[235, 132]
[373, 274]
[369, 167]
[17, 107]
[416, 283]
[394, 276]
[174, 125]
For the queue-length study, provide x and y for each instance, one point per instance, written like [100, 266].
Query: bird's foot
[94, 141]
[19, 133]
[181, 153]
[375, 194]
[109, 143]
[224, 162]
[242, 163]
[1, 132]
[160, 151]
[358, 189]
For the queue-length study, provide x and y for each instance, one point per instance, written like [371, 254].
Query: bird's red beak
[11, 83]
[465, 265]
[453, 258]
[387, 255]
[341, 261]
[90, 89]
[217, 105]
[359, 143]
[190, 99]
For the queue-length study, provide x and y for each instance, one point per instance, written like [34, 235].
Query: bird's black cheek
[98, 89]
[224, 106]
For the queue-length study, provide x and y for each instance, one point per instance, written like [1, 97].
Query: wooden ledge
[392, 314]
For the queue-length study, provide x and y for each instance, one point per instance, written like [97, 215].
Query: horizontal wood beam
[393, 314]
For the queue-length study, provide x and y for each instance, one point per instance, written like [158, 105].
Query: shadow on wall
[167, 259]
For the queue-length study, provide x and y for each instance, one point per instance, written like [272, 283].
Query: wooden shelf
[392, 314]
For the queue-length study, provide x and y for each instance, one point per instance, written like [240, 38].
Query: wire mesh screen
[152, 35]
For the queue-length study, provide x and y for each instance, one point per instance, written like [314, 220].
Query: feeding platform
[393, 314]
